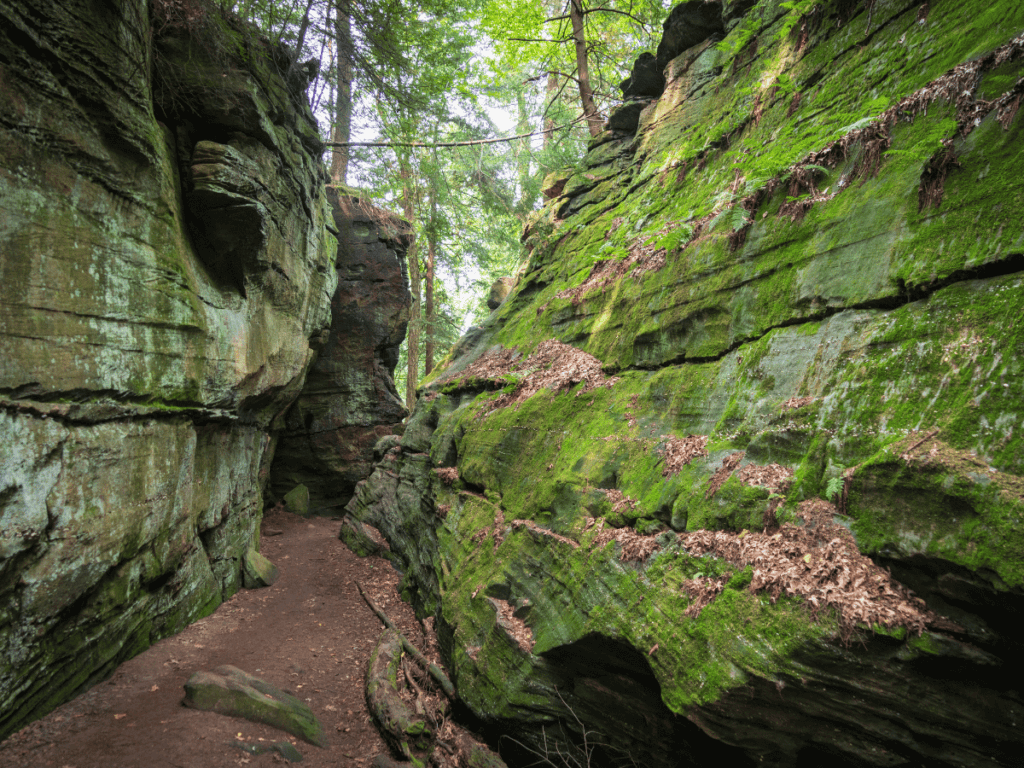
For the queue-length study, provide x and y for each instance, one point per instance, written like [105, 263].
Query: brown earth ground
[310, 634]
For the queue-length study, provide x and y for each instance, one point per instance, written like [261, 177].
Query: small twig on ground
[415, 688]
[928, 436]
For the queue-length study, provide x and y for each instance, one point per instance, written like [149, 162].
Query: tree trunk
[583, 69]
[523, 204]
[550, 94]
[428, 285]
[343, 98]
[412, 256]
[303, 27]
[413, 337]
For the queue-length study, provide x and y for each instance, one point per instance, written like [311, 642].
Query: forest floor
[310, 634]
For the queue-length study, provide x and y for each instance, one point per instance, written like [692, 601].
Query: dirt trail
[310, 634]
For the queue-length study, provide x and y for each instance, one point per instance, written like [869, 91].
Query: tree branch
[605, 9]
[427, 145]
[432, 669]
[538, 40]
[560, 73]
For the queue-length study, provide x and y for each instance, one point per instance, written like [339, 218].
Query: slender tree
[583, 68]
[410, 200]
[429, 316]
[592, 46]
[342, 129]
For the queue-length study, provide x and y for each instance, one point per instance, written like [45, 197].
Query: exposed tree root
[406, 733]
[432, 669]
[933, 178]
[410, 714]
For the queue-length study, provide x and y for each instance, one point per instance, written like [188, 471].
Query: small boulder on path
[230, 691]
[297, 500]
[257, 571]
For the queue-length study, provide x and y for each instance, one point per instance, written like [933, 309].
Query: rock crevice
[349, 400]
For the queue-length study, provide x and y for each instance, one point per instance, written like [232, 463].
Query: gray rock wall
[349, 400]
[165, 275]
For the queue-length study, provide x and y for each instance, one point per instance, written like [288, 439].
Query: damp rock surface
[166, 275]
[349, 400]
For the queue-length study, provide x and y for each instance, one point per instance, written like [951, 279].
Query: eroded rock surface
[789, 390]
[166, 274]
[349, 400]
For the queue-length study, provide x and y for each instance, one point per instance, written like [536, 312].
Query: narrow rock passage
[309, 634]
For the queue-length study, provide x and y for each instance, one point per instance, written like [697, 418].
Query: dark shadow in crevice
[612, 714]
[474, 488]
[989, 620]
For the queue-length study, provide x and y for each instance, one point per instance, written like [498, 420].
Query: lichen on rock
[166, 274]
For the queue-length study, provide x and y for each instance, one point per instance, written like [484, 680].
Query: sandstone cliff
[349, 400]
[166, 269]
[737, 472]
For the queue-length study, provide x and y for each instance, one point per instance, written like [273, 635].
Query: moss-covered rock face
[165, 263]
[801, 278]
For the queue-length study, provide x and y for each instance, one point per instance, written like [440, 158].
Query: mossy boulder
[297, 500]
[230, 691]
[499, 291]
[258, 571]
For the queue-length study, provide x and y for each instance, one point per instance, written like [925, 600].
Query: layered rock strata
[165, 278]
[349, 400]
[736, 473]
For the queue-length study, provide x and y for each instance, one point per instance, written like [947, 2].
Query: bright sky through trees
[428, 72]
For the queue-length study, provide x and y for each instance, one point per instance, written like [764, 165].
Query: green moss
[780, 276]
[735, 506]
[741, 579]
[924, 644]
[567, 593]
[940, 509]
